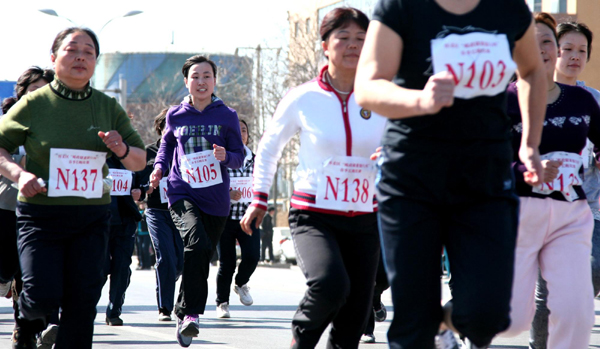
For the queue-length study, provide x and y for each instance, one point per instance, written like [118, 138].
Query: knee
[333, 289]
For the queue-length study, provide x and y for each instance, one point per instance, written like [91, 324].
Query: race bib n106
[201, 169]
[347, 183]
[75, 172]
[244, 185]
[481, 63]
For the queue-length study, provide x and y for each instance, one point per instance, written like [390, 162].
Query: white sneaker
[244, 293]
[223, 311]
[446, 340]
[367, 338]
[5, 289]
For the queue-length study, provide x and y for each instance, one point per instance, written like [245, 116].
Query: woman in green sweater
[68, 130]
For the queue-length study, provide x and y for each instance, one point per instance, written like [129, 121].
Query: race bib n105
[75, 172]
[481, 63]
[568, 175]
[347, 183]
[201, 169]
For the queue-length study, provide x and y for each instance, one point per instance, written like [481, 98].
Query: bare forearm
[135, 160]
[388, 99]
[8, 167]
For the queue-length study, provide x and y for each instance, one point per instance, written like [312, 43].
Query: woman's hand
[135, 194]
[437, 93]
[551, 169]
[530, 157]
[29, 185]
[114, 142]
[235, 195]
[155, 177]
[376, 154]
[219, 152]
[252, 213]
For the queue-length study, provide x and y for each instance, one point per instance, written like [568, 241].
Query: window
[562, 6]
[537, 6]
[308, 26]
[296, 29]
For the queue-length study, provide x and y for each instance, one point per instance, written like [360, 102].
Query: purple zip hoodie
[187, 131]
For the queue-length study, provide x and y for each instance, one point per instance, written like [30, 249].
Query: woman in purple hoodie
[201, 139]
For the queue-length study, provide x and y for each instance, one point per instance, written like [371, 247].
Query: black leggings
[480, 240]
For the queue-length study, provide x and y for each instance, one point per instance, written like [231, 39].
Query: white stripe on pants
[555, 236]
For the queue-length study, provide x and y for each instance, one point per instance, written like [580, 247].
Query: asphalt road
[264, 325]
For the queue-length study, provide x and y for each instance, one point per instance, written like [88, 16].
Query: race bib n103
[162, 188]
[481, 63]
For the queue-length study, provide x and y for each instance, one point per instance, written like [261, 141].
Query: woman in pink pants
[555, 222]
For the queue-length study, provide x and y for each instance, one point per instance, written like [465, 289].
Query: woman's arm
[28, 184]
[379, 61]
[532, 91]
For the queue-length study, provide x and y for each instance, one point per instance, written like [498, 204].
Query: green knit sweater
[51, 117]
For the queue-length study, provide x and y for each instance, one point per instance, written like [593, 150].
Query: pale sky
[197, 26]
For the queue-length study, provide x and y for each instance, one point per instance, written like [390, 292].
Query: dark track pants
[200, 233]
[250, 247]
[480, 240]
[338, 256]
[62, 250]
[118, 264]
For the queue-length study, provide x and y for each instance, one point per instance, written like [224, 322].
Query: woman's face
[244, 131]
[36, 85]
[343, 46]
[548, 48]
[573, 48]
[201, 81]
[75, 60]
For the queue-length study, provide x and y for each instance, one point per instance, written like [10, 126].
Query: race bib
[76, 172]
[568, 175]
[162, 188]
[481, 63]
[243, 184]
[121, 182]
[201, 169]
[347, 183]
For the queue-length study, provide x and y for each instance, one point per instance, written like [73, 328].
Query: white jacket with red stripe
[328, 126]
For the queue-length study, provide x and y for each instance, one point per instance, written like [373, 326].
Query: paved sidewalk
[264, 325]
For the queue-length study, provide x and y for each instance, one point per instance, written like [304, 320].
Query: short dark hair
[548, 20]
[568, 27]
[30, 76]
[197, 59]
[271, 209]
[160, 121]
[341, 17]
[7, 103]
[60, 37]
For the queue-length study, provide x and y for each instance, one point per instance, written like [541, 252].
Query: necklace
[553, 87]
[328, 78]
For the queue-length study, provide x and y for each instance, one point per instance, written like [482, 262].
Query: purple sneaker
[187, 329]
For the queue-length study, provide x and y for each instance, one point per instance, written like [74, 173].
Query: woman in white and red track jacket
[333, 209]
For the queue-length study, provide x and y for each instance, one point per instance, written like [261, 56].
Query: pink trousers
[555, 236]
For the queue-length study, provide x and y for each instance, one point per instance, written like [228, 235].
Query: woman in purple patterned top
[556, 223]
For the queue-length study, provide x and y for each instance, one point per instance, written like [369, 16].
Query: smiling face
[75, 60]
[343, 46]
[573, 48]
[548, 48]
[201, 81]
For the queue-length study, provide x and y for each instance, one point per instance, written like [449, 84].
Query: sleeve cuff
[260, 200]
